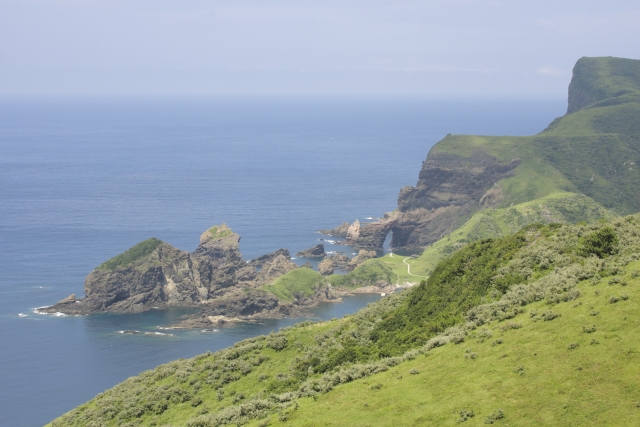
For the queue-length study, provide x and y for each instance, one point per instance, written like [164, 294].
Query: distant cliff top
[605, 78]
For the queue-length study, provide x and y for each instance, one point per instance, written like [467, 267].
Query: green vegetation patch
[368, 274]
[552, 340]
[299, 282]
[138, 251]
[456, 285]
[218, 232]
[560, 207]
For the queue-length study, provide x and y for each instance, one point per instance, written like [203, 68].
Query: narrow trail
[409, 269]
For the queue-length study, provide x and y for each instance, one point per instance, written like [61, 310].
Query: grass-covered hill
[536, 328]
[592, 150]
[582, 167]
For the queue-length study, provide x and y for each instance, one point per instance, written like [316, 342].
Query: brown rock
[325, 267]
[315, 252]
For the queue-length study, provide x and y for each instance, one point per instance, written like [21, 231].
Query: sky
[429, 48]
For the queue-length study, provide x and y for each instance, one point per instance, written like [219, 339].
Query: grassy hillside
[136, 252]
[301, 282]
[593, 150]
[560, 207]
[583, 167]
[537, 328]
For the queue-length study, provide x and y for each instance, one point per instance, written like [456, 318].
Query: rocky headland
[214, 277]
[449, 188]
[154, 274]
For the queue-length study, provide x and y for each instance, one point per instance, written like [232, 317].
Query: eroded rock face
[325, 267]
[167, 276]
[279, 266]
[362, 256]
[340, 261]
[261, 260]
[449, 180]
[449, 187]
[370, 236]
[315, 252]
[339, 231]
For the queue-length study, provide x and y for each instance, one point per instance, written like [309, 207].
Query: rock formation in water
[339, 231]
[315, 252]
[154, 274]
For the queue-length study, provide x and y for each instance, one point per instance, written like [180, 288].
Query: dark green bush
[601, 243]
[465, 414]
[138, 251]
[495, 416]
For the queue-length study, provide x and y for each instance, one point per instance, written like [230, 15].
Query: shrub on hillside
[601, 243]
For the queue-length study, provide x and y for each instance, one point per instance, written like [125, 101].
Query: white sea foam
[158, 334]
[331, 241]
[369, 217]
[56, 314]
[22, 315]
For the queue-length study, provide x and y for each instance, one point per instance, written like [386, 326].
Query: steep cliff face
[156, 274]
[449, 187]
[592, 150]
[599, 79]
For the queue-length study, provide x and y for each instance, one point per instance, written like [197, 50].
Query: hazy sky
[424, 48]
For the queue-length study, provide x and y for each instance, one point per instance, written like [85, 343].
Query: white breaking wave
[56, 314]
[22, 315]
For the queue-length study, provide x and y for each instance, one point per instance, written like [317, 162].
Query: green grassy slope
[592, 150]
[583, 167]
[532, 374]
[299, 282]
[560, 207]
[132, 254]
[554, 340]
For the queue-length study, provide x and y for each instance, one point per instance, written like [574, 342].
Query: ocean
[82, 180]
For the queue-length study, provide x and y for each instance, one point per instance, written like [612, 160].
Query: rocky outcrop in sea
[315, 252]
[154, 274]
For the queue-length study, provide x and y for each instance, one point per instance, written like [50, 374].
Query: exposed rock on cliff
[340, 261]
[315, 252]
[156, 274]
[449, 187]
[339, 231]
[279, 266]
[325, 267]
[362, 256]
[261, 260]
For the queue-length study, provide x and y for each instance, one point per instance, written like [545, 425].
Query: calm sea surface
[83, 180]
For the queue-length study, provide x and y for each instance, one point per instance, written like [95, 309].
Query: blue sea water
[81, 180]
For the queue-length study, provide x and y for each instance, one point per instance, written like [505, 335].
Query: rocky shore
[214, 277]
